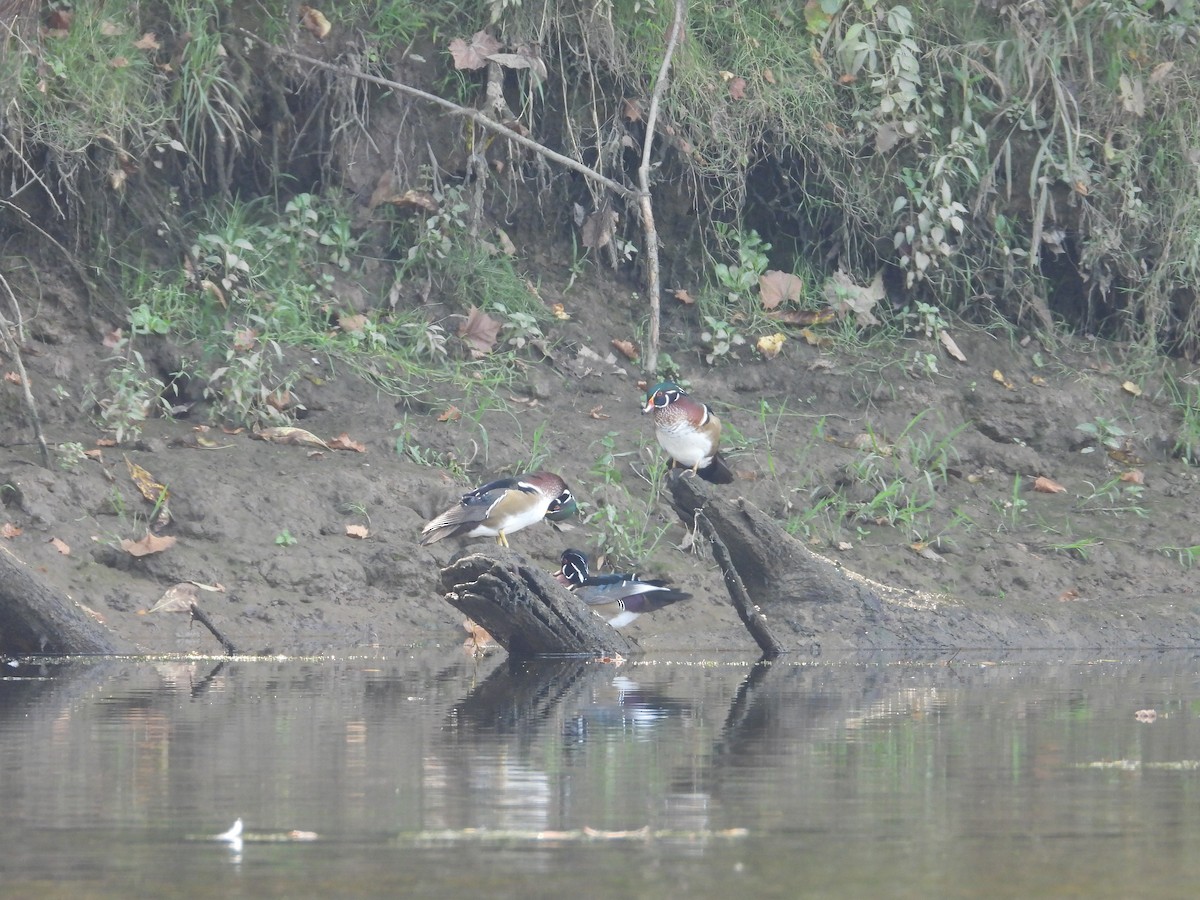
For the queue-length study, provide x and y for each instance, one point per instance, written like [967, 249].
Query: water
[434, 775]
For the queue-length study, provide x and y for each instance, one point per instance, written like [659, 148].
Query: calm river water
[434, 775]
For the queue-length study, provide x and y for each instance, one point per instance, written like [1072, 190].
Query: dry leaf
[1131, 388]
[1048, 486]
[287, 434]
[559, 312]
[344, 442]
[451, 414]
[352, 324]
[627, 349]
[105, 442]
[844, 546]
[1133, 476]
[12, 377]
[8, 531]
[1038, 380]
[951, 347]
[177, 598]
[61, 546]
[146, 485]
[737, 88]
[923, 550]
[113, 339]
[475, 54]
[769, 345]
[151, 543]
[684, 297]
[316, 23]
[768, 76]
[357, 531]
[109, 28]
[631, 110]
[119, 62]
[245, 339]
[596, 413]
[998, 376]
[846, 296]
[598, 229]
[1068, 595]
[148, 41]
[479, 331]
[774, 287]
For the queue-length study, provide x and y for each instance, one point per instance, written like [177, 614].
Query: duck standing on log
[617, 598]
[688, 431]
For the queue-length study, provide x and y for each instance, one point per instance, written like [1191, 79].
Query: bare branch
[653, 289]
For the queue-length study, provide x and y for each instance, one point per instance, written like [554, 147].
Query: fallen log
[37, 619]
[526, 610]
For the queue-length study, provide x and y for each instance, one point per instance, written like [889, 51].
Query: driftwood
[35, 618]
[526, 610]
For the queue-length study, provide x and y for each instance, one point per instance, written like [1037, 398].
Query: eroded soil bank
[916, 481]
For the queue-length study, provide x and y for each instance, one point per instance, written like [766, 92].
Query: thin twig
[199, 616]
[13, 346]
[653, 289]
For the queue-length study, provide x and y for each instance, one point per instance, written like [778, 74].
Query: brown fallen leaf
[560, 312]
[450, 414]
[1038, 380]
[12, 378]
[1048, 486]
[1133, 476]
[627, 349]
[105, 442]
[479, 331]
[148, 41]
[288, 434]
[1130, 388]
[316, 23]
[91, 612]
[951, 347]
[598, 229]
[344, 442]
[1068, 595]
[998, 377]
[768, 76]
[8, 531]
[61, 546]
[357, 531]
[595, 413]
[177, 598]
[776, 287]
[352, 323]
[151, 543]
[245, 339]
[1125, 457]
[684, 297]
[737, 88]
[475, 54]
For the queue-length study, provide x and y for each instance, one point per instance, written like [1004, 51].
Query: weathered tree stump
[784, 593]
[526, 610]
[35, 618]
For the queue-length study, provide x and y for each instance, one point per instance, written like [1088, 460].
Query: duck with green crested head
[503, 506]
[688, 431]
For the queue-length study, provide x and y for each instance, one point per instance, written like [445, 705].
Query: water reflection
[435, 773]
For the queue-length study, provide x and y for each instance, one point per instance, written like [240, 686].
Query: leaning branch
[474, 115]
[653, 290]
[12, 344]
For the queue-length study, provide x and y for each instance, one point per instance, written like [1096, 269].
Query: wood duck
[618, 598]
[503, 506]
[688, 431]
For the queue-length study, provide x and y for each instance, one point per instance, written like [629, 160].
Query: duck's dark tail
[717, 471]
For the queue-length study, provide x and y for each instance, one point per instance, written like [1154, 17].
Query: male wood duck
[688, 431]
[618, 598]
[503, 506]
